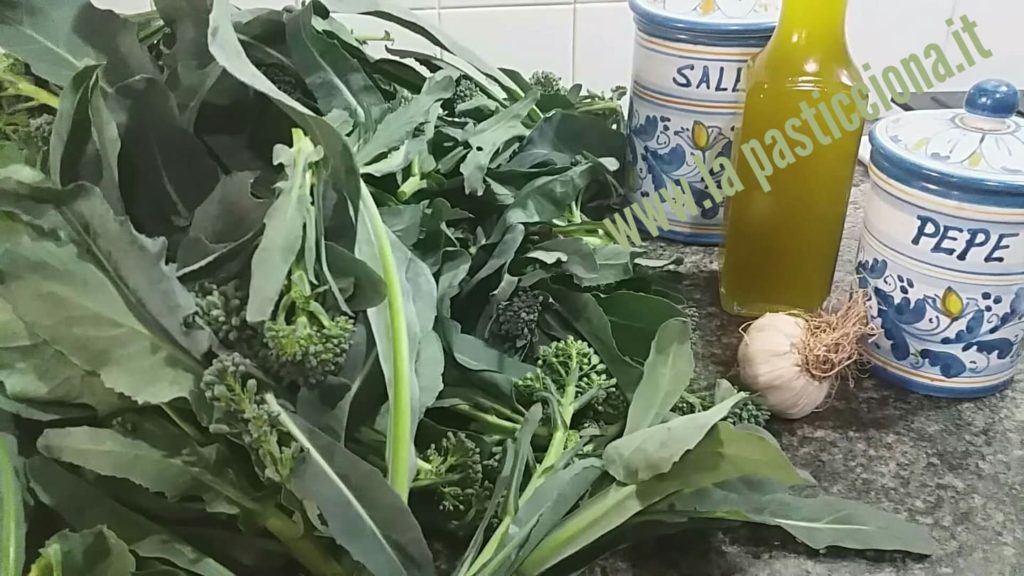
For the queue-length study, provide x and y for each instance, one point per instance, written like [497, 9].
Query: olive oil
[782, 231]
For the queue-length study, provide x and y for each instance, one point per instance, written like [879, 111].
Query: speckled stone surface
[955, 466]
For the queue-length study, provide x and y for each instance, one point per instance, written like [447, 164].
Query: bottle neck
[818, 22]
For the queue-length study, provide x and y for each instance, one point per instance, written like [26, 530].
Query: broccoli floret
[547, 83]
[222, 310]
[240, 411]
[451, 470]
[466, 90]
[402, 97]
[26, 117]
[750, 410]
[571, 376]
[514, 326]
[457, 480]
[305, 344]
[285, 79]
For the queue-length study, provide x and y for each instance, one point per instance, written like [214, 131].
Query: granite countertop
[954, 466]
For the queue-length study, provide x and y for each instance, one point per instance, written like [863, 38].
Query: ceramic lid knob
[993, 99]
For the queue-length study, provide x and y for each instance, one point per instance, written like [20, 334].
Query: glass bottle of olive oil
[795, 158]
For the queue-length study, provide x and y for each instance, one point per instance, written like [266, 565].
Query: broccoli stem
[556, 447]
[493, 422]
[599, 106]
[301, 542]
[400, 416]
[18, 86]
[302, 545]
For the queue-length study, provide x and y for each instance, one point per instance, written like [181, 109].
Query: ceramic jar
[686, 97]
[942, 250]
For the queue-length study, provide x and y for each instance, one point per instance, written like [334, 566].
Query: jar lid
[977, 151]
[739, 18]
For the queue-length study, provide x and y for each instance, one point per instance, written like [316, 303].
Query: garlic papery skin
[771, 365]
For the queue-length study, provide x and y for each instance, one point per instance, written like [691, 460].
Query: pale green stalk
[11, 529]
[399, 448]
[556, 447]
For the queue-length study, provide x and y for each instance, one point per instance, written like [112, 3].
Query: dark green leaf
[230, 215]
[399, 14]
[724, 454]
[488, 137]
[74, 151]
[550, 197]
[454, 268]
[363, 514]
[613, 264]
[635, 318]
[361, 285]
[38, 373]
[111, 453]
[136, 265]
[71, 305]
[667, 373]
[574, 255]
[648, 452]
[399, 126]
[57, 38]
[563, 136]
[552, 500]
[191, 70]
[337, 79]
[93, 552]
[166, 172]
[819, 522]
[83, 507]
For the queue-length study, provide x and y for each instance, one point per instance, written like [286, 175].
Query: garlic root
[795, 360]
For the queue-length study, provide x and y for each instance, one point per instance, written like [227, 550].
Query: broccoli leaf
[169, 171]
[337, 80]
[287, 223]
[57, 38]
[488, 137]
[667, 373]
[363, 514]
[135, 265]
[191, 69]
[819, 522]
[648, 452]
[111, 453]
[230, 216]
[93, 552]
[723, 454]
[399, 126]
[84, 506]
[71, 305]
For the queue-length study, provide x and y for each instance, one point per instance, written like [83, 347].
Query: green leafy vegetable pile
[276, 298]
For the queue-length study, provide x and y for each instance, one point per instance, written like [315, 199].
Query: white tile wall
[603, 48]
[526, 38]
[999, 28]
[591, 41]
[124, 6]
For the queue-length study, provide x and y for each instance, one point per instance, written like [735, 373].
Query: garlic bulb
[770, 364]
[795, 360]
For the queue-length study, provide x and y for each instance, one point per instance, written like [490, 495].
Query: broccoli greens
[277, 297]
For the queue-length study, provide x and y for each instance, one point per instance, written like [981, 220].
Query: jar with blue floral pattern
[686, 100]
[942, 250]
